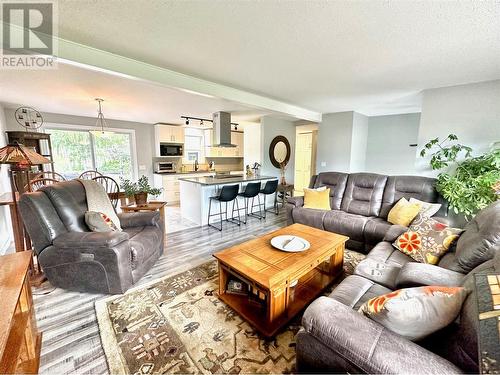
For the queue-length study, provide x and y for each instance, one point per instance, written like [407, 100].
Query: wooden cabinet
[170, 133]
[20, 341]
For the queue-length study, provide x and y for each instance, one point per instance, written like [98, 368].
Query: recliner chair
[73, 257]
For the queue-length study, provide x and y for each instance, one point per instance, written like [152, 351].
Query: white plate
[292, 244]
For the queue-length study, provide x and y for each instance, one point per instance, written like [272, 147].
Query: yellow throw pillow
[403, 212]
[317, 199]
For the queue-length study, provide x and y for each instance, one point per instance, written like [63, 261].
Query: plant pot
[141, 199]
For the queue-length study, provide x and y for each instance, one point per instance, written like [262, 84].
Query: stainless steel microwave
[171, 149]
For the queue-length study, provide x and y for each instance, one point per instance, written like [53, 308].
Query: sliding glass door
[76, 151]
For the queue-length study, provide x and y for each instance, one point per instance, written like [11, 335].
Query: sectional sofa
[336, 338]
[360, 204]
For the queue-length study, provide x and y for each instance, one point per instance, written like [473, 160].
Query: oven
[166, 167]
[171, 149]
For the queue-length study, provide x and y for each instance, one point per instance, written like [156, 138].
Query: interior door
[303, 161]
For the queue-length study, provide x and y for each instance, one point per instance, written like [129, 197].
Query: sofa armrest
[394, 232]
[367, 345]
[295, 201]
[139, 219]
[75, 240]
[419, 274]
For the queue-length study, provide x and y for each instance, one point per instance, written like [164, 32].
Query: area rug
[178, 325]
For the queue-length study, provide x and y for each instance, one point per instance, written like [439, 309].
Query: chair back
[270, 187]
[252, 189]
[89, 175]
[229, 193]
[40, 182]
[111, 187]
[47, 174]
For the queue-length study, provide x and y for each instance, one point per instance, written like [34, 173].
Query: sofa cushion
[479, 242]
[375, 230]
[341, 222]
[313, 218]
[398, 187]
[363, 194]
[415, 313]
[336, 181]
[317, 198]
[384, 252]
[403, 212]
[354, 290]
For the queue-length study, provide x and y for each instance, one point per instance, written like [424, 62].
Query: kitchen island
[195, 195]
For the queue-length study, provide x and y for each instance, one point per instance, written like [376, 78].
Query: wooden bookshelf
[20, 341]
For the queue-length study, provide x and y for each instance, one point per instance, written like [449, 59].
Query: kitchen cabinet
[170, 133]
[171, 190]
[236, 139]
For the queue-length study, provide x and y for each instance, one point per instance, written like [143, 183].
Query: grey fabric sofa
[74, 258]
[336, 338]
[360, 204]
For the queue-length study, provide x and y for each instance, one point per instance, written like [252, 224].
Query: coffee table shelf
[273, 273]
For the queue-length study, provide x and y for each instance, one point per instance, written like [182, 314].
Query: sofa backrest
[421, 188]
[40, 219]
[53, 210]
[70, 201]
[363, 194]
[336, 181]
[479, 242]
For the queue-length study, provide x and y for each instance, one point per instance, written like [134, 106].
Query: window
[76, 151]
[193, 144]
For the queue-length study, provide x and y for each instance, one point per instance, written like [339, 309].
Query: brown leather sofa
[335, 338]
[360, 204]
[75, 258]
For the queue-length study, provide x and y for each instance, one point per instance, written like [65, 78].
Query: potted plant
[469, 184]
[139, 190]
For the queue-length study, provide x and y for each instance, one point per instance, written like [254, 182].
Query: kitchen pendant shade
[18, 154]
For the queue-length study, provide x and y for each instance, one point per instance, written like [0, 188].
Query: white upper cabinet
[171, 133]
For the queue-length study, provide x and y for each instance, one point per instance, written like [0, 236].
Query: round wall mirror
[279, 151]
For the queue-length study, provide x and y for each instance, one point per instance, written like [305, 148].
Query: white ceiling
[373, 56]
[71, 90]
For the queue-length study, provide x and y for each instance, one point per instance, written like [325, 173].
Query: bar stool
[227, 194]
[252, 190]
[270, 188]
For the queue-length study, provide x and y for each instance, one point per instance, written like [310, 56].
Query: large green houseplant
[139, 190]
[468, 183]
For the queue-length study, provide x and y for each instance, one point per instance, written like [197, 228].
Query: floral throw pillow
[427, 240]
[416, 312]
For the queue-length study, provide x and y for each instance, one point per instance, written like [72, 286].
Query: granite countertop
[226, 180]
[178, 173]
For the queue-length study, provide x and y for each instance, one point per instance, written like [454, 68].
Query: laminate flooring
[71, 342]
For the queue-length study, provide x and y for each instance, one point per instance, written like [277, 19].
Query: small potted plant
[139, 190]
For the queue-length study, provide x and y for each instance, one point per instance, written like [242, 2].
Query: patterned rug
[178, 325]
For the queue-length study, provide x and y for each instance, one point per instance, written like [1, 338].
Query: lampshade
[16, 153]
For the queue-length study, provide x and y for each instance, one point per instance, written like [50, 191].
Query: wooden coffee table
[279, 284]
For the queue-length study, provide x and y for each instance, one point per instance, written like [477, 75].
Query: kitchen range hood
[222, 130]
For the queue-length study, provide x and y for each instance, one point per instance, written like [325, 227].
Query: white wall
[270, 128]
[388, 148]
[358, 142]
[144, 134]
[252, 136]
[334, 142]
[5, 224]
[472, 112]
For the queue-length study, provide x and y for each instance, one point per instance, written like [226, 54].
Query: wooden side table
[150, 206]
[284, 190]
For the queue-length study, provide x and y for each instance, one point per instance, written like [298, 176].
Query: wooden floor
[71, 342]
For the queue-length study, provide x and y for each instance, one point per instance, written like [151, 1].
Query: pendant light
[101, 121]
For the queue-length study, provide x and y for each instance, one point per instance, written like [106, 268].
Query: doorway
[305, 156]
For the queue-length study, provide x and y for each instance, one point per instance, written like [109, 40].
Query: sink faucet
[196, 166]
